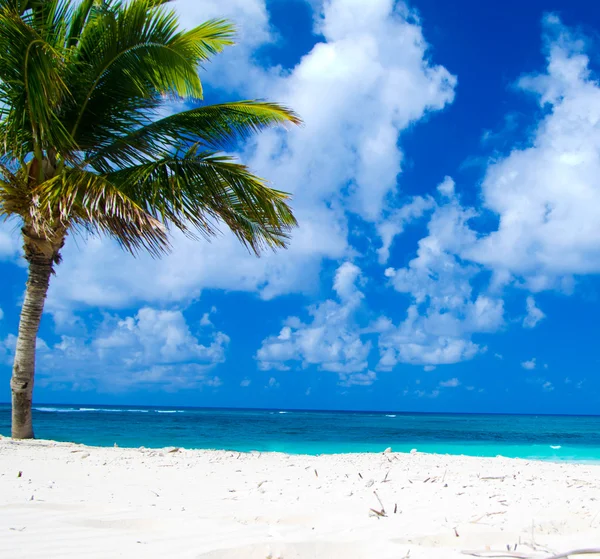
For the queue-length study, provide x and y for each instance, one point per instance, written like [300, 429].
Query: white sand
[77, 501]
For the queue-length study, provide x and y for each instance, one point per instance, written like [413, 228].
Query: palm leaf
[81, 198]
[197, 190]
[216, 127]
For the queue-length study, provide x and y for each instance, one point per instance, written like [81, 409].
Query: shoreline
[61, 498]
[53, 443]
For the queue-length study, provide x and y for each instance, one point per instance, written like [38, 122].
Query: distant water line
[307, 432]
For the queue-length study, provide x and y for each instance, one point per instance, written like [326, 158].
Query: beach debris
[154, 492]
[20, 474]
[261, 483]
[370, 483]
[18, 529]
[85, 455]
[565, 555]
[377, 513]
[385, 479]
[396, 510]
[316, 473]
[388, 450]
[382, 507]
[490, 478]
[172, 449]
[456, 532]
[360, 475]
[476, 520]
[413, 451]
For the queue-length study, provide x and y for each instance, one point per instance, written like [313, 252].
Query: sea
[544, 437]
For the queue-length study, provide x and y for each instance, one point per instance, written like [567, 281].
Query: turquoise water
[309, 432]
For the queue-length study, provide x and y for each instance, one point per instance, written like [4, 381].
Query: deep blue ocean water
[310, 432]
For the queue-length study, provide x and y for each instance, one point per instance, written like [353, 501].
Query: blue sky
[447, 186]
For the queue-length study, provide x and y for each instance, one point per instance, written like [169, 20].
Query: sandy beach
[67, 500]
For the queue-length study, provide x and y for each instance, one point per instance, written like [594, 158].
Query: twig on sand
[378, 513]
[476, 520]
[385, 479]
[488, 478]
[382, 507]
[565, 555]
[316, 473]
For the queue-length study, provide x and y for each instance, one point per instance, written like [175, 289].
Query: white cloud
[445, 310]
[358, 379]
[331, 340]
[272, 383]
[529, 365]
[397, 220]
[547, 386]
[154, 348]
[450, 383]
[10, 241]
[429, 368]
[363, 83]
[245, 383]
[547, 195]
[1, 314]
[446, 188]
[534, 314]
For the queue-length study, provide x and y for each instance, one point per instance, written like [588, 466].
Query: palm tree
[81, 86]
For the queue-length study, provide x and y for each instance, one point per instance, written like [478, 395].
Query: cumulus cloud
[547, 195]
[331, 339]
[153, 349]
[397, 220]
[9, 240]
[362, 82]
[547, 386]
[529, 365]
[450, 383]
[534, 314]
[445, 310]
[358, 379]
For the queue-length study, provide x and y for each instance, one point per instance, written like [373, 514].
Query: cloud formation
[547, 195]
[357, 90]
[331, 339]
[153, 349]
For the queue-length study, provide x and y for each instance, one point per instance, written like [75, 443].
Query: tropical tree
[83, 147]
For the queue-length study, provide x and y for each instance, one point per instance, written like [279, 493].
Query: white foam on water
[60, 410]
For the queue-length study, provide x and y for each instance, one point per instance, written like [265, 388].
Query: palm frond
[216, 127]
[128, 60]
[81, 198]
[199, 189]
[31, 78]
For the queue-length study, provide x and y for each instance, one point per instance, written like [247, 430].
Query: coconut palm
[82, 87]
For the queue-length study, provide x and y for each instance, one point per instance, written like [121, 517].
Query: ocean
[543, 437]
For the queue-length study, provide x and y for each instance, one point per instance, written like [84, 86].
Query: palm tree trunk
[40, 270]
